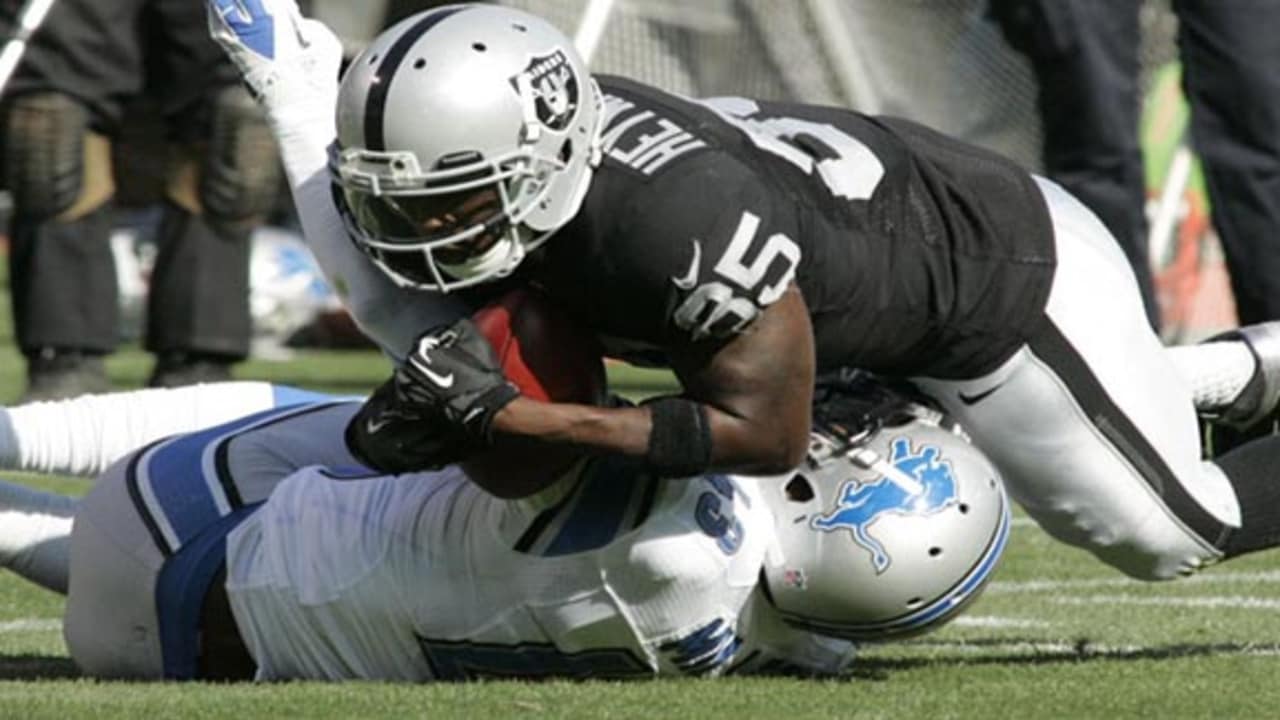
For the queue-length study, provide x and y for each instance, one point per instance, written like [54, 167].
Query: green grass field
[1056, 635]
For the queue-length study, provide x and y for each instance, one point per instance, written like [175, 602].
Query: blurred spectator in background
[93, 76]
[1085, 56]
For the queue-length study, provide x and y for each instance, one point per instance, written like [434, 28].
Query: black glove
[454, 372]
[438, 406]
[391, 437]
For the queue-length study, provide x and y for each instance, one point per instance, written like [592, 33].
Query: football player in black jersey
[747, 245]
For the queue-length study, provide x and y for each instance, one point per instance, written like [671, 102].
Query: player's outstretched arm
[291, 64]
[746, 406]
[84, 435]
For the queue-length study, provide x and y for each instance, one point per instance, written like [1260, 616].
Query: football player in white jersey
[230, 553]
[749, 245]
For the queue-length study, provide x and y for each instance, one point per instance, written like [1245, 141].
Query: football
[550, 358]
[541, 349]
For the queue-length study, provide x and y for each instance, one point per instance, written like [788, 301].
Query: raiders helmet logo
[554, 86]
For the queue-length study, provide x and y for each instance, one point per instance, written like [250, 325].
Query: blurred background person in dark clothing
[130, 95]
[1085, 57]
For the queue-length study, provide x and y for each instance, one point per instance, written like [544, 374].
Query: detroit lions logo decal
[862, 503]
[554, 86]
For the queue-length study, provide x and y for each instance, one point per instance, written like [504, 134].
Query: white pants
[126, 527]
[1090, 423]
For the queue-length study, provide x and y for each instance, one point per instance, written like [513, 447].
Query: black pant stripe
[1049, 344]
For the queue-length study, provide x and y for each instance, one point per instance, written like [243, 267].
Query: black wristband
[680, 438]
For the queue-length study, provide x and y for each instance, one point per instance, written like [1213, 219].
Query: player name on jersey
[643, 140]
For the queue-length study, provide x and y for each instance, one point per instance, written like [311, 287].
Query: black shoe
[178, 369]
[59, 374]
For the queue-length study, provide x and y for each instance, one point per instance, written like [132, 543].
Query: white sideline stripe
[1050, 647]
[1207, 601]
[30, 625]
[1016, 586]
[996, 621]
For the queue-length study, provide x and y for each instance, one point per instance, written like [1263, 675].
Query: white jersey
[608, 573]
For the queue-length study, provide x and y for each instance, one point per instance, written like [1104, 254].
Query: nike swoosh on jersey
[978, 397]
[690, 278]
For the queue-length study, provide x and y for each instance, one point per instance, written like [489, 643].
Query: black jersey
[916, 254]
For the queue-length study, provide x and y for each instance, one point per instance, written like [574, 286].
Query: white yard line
[998, 622]
[30, 625]
[1024, 586]
[1206, 601]
[1059, 647]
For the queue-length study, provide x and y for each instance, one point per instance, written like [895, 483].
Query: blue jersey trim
[175, 474]
[596, 514]
[181, 485]
[180, 591]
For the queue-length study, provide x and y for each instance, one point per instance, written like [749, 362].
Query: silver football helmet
[467, 134]
[892, 527]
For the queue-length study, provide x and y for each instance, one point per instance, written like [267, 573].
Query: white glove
[289, 62]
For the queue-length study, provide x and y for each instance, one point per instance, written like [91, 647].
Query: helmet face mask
[891, 528]
[418, 237]
[457, 101]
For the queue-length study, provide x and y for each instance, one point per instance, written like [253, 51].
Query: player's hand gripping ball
[438, 407]
[545, 353]
[453, 372]
[549, 358]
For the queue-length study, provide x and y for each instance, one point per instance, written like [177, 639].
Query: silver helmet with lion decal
[893, 525]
